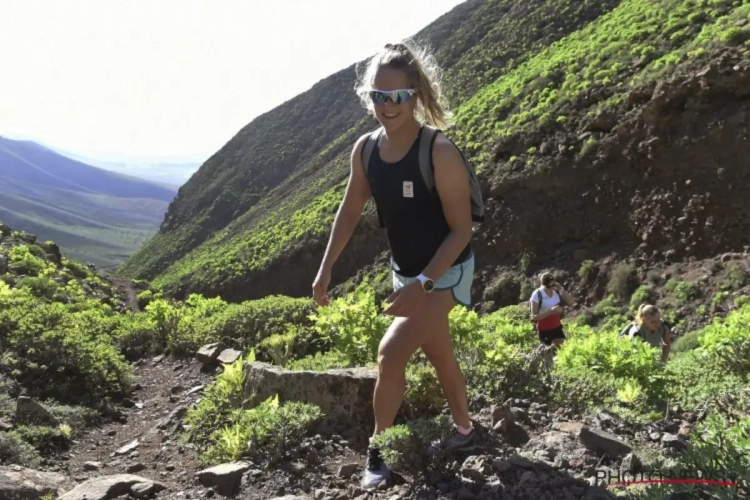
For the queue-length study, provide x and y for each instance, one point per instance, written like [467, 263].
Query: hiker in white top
[649, 327]
[546, 305]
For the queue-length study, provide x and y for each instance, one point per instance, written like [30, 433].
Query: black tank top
[412, 214]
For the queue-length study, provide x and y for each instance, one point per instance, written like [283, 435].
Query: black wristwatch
[427, 284]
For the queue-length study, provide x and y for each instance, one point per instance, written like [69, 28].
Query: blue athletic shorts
[457, 279]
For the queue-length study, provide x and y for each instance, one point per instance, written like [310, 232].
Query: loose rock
[106, 487]
[21, 483]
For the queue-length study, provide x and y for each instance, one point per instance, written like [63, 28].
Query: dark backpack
[626, 331]
[427, 138]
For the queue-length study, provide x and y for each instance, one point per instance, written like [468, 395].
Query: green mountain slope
[533, 132]
[556, 137]
[97, 215]
[285, 159]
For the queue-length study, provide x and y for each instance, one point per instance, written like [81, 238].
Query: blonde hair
[423, 73]
[645, 311]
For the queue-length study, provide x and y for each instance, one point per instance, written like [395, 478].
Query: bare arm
[666, 344]
[350, 210]
[566, 297]
[452, 184]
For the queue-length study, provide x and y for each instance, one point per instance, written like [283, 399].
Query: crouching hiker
[546, 306]
[649, 327]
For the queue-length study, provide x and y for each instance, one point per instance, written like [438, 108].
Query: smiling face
[391, 115]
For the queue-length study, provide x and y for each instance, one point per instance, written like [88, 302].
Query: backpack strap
[367, 150]
[538, 295]
[427, 138]
[428, 135]
[369, 146]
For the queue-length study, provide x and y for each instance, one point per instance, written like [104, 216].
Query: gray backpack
[427, 138]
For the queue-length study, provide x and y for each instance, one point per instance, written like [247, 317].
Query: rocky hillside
[266, 198]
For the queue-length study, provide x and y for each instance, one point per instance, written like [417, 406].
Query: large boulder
[225, 478]
[108, 487]
[343, 395]
[20, 483]
[29, 411]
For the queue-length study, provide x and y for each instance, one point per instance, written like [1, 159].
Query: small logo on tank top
[408, 189]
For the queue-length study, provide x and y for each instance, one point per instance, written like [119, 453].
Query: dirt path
[144, 439]
[164, 387]
[126, 287]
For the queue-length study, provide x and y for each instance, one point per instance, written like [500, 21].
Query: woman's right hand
[320, 287]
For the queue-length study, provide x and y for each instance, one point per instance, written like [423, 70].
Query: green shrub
[44, 288]
[61, 351]
[26, 262]
[254, 320]
[622, 281]
[145, 297]
[45, 439]
[699, 379]
[320, 361]
[14, 450]
[75, 417]
[423, 396]
[728, 339]
[177, 324]
[220, 400]
[644, 294]
[736, 277]
[720, 449]
[264, 433]
[353, 325]
[224, 431]
[405, 446]
[632, 364]
[683, 291]
[135, 335]
[686, 343]
[587, 271]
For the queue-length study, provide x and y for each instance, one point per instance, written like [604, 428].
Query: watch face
[428, 285]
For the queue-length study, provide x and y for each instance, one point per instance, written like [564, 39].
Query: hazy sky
[177, 77]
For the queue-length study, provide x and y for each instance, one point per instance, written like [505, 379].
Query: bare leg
[439, 351]
[403, 338]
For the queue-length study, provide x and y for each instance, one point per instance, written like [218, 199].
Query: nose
[389, 103]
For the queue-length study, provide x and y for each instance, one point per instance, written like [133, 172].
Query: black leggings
[547, 336]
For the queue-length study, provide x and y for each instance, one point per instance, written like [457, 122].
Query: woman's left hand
[404, 301]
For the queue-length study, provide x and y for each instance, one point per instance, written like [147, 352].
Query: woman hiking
[651, 328]
[546, 306]
[429, 234]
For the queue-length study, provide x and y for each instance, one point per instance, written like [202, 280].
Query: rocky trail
[527, 450]
[128, 291]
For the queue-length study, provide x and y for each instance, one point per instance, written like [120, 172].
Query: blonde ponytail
[423, 73]
[645, 311]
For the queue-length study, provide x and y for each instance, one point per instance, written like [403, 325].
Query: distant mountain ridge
[99, 215]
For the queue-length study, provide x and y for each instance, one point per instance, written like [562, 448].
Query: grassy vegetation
[595, 370]
[297, 152]
[57, 325]
[230, 255]
[638, 40]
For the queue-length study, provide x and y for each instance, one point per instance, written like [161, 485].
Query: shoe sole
[375, 486]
